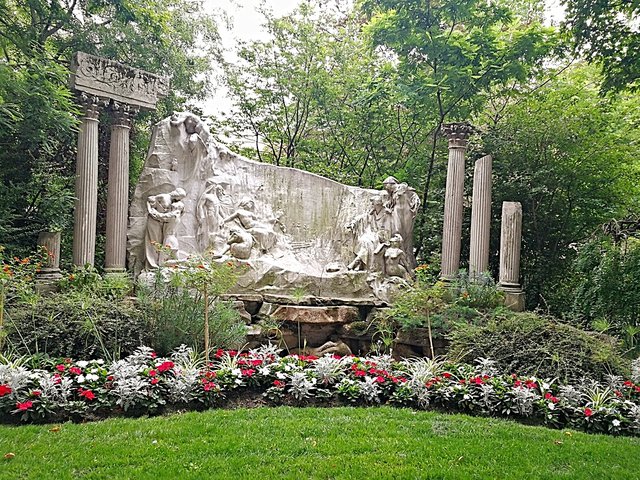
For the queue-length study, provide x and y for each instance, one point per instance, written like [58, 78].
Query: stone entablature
[110, 79]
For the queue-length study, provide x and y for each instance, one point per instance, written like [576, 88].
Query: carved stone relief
[293, 229]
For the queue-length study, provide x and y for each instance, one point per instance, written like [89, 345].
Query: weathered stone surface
[239, 306]
[514, 300]
[480, 217]
[107, 78]
[315, 315]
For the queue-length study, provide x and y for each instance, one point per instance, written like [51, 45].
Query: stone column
[84, 217]
[118, 191]
[510, 242]
[480, 217]
[458, 135]
[49, 275]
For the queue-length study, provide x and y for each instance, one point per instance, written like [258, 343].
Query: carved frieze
[109, 79]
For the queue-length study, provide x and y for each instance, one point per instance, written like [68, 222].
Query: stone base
[514, 300]
[48, 282]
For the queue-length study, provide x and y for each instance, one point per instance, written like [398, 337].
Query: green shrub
[606, 288]
[76, 325]
[175, 316]
[527, 343]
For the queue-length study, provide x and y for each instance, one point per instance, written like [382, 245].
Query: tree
[451, 54]
[606, 33]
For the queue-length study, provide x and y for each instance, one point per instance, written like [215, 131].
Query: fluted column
[49, 275]
[84, 217]
[510, 243]
[480, 217]
[118, 190]
[458, 135]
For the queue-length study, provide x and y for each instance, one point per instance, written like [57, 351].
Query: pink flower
[60, 367]
[24, 406]
[380, 379]
[165, 366]
[249, 372]
[588, 412]
[154, 381]
[5, 390]
[75, 370]
[360, 373]
[88, 394]
[152, 373]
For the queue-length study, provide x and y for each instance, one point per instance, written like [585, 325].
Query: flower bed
[144, 384]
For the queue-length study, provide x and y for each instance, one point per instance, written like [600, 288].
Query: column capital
[91, 105]
[122, 114]
[457, 133]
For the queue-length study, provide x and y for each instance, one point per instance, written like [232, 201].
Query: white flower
[237, 372]
[616, 423]
[80, 379]
[99, 361]
[281, 376]
[92, 378]
[264, 371]
[82, 364]
[552, 406]
[545, 386]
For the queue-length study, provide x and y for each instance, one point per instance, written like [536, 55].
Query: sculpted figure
[164, 213]
[262, 232]
[239, 244]
[213, 206]
[403, 202]
[395, 259]
[371, 231]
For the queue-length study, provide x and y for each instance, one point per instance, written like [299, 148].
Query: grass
[296, 443]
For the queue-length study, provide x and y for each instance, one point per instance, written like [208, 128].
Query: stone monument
[293, 230]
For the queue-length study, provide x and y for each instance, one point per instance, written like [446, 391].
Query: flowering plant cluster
[143, 384]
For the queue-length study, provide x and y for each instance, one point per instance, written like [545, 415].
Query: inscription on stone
[107, 78]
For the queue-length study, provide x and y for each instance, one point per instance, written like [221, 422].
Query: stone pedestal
[49, 275]
[457, 134]
[510, 243]
[84, 217]
[480, 217]
[118, 191]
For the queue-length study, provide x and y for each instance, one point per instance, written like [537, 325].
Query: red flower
[588, 412]
[278, 383]
[152, 373]
[628, 383]
[517, 383]
[257, 362]
[60, 367]
[24, 406]
[165, 366]
[637, 388]
[446, 375]
[476, 380]
[380, 379]
[75, 370]
[88, 394]
[154, 354]
[57, 379]
[618, 393]
[154, 381]
[208, 386]
[5, 390]
[360, 373]
[249, 372]
[219, 353]
[530, 384]
[36, 393]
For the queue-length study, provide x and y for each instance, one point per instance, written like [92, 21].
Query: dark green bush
[526, 343]
[76, 325]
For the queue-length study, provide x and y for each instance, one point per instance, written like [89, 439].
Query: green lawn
[301, 443]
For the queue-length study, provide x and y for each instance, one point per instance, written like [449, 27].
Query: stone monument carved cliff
[296, 231]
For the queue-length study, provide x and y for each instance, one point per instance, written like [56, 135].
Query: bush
[76, 325]
[527, 343]
[175, 317]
